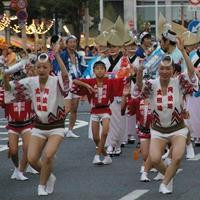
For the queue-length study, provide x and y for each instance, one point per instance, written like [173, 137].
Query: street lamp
[7, 12]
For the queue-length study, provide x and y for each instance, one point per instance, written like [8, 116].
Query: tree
[71, 11]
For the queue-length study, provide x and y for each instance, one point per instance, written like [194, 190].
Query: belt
[53, 125]
[20, 123]
[170, 129]
[144, 129]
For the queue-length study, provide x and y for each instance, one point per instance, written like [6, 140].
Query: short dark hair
[99, 63]
[54, 39]
[168, 58]
[146, 36]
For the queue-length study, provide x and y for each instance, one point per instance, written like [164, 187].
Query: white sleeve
[25, 82]
[188, 84]
[20, 90]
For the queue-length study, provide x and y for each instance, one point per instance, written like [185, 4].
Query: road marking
[197, 157]
[4, 133]
[5, 147]
[179, 170]
[5, 138]
[79, 124]
[134, 195]
[138, 193]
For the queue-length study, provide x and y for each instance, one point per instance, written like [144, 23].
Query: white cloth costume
[48, 104]
[167, 109]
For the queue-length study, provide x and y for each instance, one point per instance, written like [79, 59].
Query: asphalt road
[79, 179]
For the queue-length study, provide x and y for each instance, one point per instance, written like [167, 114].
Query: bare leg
[178, 149]
[104, 134]
[26, 138]
[95, 132]
[147, 164]
[156, 150]
[68, 103]
[51, 148]
[144, 147]
[188, 141]
[13, 148]
[73, 113]
[35, 148]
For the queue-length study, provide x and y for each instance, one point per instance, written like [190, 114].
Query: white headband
[144, 34]
[43, 58]
[168, 64]
[71, 37]
[169, 36]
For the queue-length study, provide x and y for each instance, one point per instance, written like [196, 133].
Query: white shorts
[99, 117]
[156, 134]
[46, 133]
[72, 96]
[10, 131]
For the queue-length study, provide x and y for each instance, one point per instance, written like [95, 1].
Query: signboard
[21, 4]
[194, 2]
[193, 26]
[22, 15]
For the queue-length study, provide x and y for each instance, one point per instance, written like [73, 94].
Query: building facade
[135, 12]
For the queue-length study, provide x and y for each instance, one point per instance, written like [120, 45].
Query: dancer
[75, 65]
[47, 94]
[20, 118]
[142, 110]
[166, 98]
[100, 92]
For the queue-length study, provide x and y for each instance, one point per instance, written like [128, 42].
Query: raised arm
[139, 77]
[61, 63]
[190, 66]
[126, 93]
[7, 85]
[83, 84]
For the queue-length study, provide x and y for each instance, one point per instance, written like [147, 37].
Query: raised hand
[141, 65]
[180, 43]
[56, 48]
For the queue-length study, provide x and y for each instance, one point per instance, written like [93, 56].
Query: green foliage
[69, 10]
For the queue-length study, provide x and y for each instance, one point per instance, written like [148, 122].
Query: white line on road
[5, 138]
[4, 133]
[5, 147]
[134, 195]
[138, 193]
[197, 157]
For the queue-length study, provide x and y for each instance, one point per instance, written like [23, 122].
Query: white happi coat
[167, 110]
[48, 105]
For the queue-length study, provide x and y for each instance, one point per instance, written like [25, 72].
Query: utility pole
[182, 14]
[87, 24]
[156, 17]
